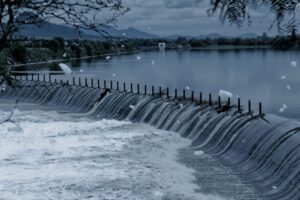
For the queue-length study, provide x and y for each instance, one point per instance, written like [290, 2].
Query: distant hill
[175, 37]
[249, 36]
[135, 33]
[211, 36]
[44, 30]
[129, 33]
[47, 30]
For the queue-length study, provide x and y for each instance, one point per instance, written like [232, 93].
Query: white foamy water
[225, 94]
[66, 69]
[46, 155]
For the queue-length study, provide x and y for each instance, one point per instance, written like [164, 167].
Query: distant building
[162, 46]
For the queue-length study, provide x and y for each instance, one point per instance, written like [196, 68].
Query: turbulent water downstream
[87, 154]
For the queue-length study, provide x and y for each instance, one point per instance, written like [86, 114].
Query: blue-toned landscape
[158, 100]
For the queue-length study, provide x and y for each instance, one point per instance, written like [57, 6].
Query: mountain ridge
[48, 30]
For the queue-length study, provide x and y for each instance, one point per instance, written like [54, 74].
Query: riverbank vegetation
[29, 51]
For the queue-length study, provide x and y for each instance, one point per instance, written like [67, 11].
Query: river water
[270, 76]
[260, 75]
[52, 155]
[45, 154]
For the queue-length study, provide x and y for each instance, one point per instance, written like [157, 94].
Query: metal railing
[96, 83]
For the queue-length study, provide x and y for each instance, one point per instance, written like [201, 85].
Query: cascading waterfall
[263, 151]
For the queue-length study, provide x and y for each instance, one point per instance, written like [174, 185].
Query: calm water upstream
[269, 76]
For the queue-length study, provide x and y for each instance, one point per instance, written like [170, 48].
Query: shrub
[19, 53]
[57, 44]
[76, 50]
[88, 49]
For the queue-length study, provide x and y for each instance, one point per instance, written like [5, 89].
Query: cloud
[181, 3]
[186, 17]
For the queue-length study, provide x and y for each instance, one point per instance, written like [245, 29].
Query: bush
[88, 49]
[57, 44]
[4, 55]
[282, 43]
[76, 50]
[19, 53]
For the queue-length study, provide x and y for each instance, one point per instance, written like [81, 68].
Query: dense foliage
[240, 11]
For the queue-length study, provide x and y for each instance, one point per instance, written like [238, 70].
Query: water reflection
[162, 54]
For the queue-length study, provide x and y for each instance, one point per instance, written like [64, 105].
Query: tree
[19, 53]
[88, 49]
[239, 11]
[82, 14]
[57, 44]
[76, 50]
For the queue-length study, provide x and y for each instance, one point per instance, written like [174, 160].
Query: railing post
[260, 109]
[73, 82]
[86, 82]
[61, 82]
[249, 107]
[152, 90]
[79, 81]
[98, 83]
[131, 88]
[210, 100]
[124, 87]
[192, 96]
[92, 82]
[32, 78]
[67, 82]
[44, 78]
[38, 77]
[55, 81]
[175, 94]
[117, 85]
[49, 78]
[145, 90]
[168, 94]
[111, 85]
[229, 102]
[183, 94]
[138, 88]
[201, 98]
[104, 84]
[160, 93]
[239, 105]
[219, 102]
[26, 77]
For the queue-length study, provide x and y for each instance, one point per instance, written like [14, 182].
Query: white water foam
[46, 155]
[66, 69]
[224, 94]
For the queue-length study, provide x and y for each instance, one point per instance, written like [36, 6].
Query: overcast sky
[185, 17]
